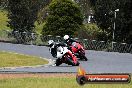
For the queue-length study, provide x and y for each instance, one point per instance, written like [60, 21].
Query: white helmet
[66, 37]
[50, 42]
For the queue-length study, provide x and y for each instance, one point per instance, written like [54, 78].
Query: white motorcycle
[62, 54]
[65, 56]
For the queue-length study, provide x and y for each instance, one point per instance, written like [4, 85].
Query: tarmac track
[98, 61]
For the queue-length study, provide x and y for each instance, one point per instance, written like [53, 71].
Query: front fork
[81, 52]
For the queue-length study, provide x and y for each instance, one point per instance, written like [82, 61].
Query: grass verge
[53, 82]
[13, 60]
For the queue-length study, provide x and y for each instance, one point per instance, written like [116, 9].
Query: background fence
[35, 39]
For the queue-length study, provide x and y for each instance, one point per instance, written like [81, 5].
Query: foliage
[42, 14]
[3, 20]
[104, 14]
[39, 27]
[64, 17]
[22, 15]
[92, 31]
[3, 4]
[85, 6]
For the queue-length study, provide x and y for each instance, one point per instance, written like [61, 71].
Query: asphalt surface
[98, 61]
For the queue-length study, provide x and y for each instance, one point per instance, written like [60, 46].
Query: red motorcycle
[78, 50]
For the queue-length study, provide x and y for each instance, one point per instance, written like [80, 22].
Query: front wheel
[82, 56]
[75, 64]
[58, 62]
[71, 62]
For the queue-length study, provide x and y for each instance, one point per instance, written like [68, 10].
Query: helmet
[50, 42]
[66, 37]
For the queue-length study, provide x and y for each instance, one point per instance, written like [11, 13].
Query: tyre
[70, 62]
[58, 62]
[77, 63]
[85, 58]
[82, 56]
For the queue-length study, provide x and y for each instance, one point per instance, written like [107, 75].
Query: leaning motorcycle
[78, 50]
[65, 56]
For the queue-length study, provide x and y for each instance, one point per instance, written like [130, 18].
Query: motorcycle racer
[53, 47]
[75, 47]
[69, 40]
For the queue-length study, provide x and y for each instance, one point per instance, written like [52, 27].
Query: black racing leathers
[53, 48]
[70, 41]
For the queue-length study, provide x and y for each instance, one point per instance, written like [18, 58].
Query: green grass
[12, 60]
[56, 82]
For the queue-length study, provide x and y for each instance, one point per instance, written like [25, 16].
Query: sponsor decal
[83, 78]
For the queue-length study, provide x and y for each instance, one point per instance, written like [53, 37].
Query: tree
[42, 14]
[104, 14]
[22, 15]
[86, 8]
[64, 17]
[3, 4]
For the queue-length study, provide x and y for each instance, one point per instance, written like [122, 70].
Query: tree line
[66, 16]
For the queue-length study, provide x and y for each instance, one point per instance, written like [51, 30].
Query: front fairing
[61, 52]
